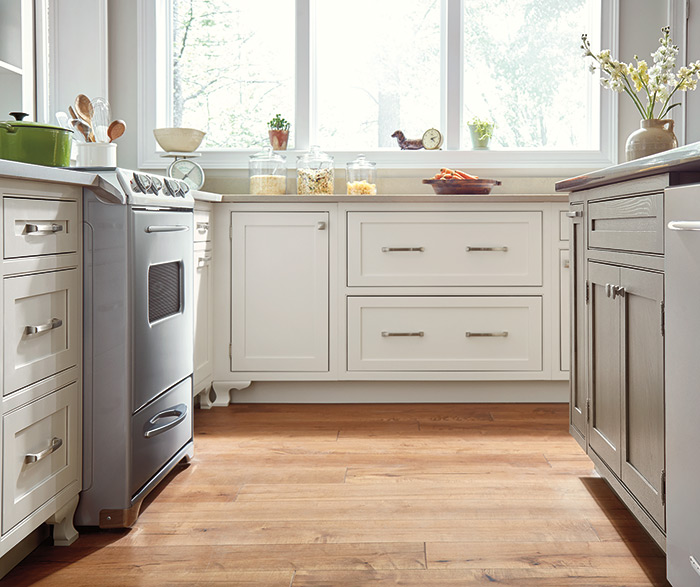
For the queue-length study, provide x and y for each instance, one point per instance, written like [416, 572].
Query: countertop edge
[388, 198]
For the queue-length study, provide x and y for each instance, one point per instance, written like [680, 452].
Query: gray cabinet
[578, 403]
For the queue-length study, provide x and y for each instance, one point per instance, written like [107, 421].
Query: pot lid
[18, 122]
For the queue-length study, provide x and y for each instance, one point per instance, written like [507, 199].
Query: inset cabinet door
[577, 303]
[203, 314]
[279, 305]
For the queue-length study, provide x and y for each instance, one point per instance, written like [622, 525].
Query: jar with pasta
[315, 173]
[361, 177]
[267, 173]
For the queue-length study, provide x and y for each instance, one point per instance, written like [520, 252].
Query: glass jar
[267, 172]
[361, 177]
[315, 173]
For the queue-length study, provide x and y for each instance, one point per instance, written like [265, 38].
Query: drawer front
[39, 227]
[633, 224]
[41, 326]
[444, 333]
[40, 453]
[202, 226]
[444, 249]
[159, 431]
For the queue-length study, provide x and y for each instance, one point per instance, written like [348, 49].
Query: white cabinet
[203, 299]
[279, 291]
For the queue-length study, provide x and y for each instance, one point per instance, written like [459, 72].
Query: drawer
[39, 227]
[633, 224]
[445, 333]
[444, 249]
[41, 326]
[40, 455]
[202, 226]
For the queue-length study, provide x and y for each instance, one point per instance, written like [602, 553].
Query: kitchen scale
[184, 169]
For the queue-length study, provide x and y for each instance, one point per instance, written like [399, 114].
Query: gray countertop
[401, 198]
[676, 160]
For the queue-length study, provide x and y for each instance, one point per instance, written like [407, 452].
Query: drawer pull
[403, 249]
[489, 249]
[484, 334]
[202, 226]
[203, 262]
[419, 333]
[684, 225]
[166, 228]
[179, 412]
[56, 443]
[574, 214]
[54, 323]
[39, 229]
[321, 225]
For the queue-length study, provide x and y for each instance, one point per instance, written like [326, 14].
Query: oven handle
[167, 228]
[179, 410]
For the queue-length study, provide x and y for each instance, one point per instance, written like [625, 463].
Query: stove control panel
[148, 189]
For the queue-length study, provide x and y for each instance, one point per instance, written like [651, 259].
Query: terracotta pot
[278, 139]
[653, 136]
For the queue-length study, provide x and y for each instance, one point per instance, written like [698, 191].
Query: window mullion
[453, 68]
[303, 62]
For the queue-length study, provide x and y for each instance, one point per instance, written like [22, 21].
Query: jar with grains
[315, 173]
[361, 177]
[267, 173]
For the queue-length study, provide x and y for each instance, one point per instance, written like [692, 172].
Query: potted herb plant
[481, 131]
[278, 131]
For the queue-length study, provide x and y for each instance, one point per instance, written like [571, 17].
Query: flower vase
[653, 136]
[278, 139]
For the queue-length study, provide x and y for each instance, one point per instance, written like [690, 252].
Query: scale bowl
[184, 140]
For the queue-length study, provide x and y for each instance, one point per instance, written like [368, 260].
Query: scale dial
[188, 171]
[432, 139]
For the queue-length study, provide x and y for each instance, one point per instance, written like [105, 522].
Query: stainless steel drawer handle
[202, 226]
[203, 262]
[485, 334]
[574, 214]
[179, 412]
[54, 323]
[167, 228]
[419, 333]
[38, 229]
[684, 225]
[403, 249]
[489, 249]
[56, 443]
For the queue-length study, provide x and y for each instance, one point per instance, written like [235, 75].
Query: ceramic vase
[477, 142]
[278, 139]
[653, 136]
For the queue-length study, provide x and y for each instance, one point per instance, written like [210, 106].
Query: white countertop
[405, 198]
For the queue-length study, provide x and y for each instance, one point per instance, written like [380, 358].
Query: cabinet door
[279, 306]
[203, 315]
[643, 388]
[604, 364]
[577, 304]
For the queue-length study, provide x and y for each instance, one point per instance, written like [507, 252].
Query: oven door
[161, 261]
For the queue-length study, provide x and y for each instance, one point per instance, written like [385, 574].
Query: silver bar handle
[489, 249]
[167, 228]
[574, 214]
[56, 443]
[684, 225]
[419, 333]
[202, 226]
[403, 249]
[53, 323]
[485, 334]
[39, 229]
[203, 262]
[179, 412]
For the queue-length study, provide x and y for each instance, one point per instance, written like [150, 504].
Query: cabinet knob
[321, 225]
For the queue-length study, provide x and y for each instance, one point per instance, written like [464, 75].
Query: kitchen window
[348, 74]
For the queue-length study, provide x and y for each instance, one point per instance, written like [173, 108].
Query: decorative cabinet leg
[64, 533]
[205, 402]
[223, 391]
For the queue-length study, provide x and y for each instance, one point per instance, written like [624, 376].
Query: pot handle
[19, 116]
[8, 128]
[668, 123]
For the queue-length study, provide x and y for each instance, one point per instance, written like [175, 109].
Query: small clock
[188, 171]
[432, 139]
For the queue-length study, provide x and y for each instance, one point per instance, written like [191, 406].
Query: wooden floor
[370, 495]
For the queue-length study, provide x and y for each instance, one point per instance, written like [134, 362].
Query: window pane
[378, 70]
[523, 70]
[233, 68]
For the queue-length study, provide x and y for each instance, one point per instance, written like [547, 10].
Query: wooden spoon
[83, 107]
[116, 129]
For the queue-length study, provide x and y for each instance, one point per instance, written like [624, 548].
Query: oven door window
[164, 290]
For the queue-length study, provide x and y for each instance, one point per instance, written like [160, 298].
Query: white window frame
[154, 109]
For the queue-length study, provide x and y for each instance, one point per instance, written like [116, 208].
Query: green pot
[31, 142]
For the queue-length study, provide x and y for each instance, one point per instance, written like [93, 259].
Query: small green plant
[278, 123]
[484, 128]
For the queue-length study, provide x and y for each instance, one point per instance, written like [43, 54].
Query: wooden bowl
[181, 140]
[462, 186]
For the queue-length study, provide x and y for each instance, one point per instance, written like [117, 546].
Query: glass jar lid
[268, 155]
[314, 158]
[361, 163]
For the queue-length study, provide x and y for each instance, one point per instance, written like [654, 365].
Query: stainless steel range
[138, 352]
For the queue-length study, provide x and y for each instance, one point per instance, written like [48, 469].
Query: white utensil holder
[96, 155]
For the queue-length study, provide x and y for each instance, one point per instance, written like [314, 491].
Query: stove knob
[143, 182]
[185, 188]
[171, 187]
[156, 186]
